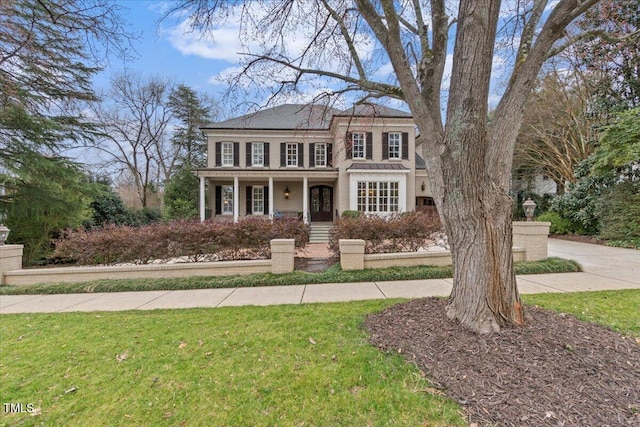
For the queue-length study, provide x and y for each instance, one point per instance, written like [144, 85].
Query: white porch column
[305, 200]
[236, 199]
[271, 197]
[202, 206]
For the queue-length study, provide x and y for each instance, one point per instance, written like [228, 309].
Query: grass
[243, 366]
[333, 274]
[247, 366]
[618, 310]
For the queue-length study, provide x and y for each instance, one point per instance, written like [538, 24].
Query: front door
[321, 202]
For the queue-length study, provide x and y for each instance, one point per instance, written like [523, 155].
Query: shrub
[351, 214]
[397, 233]
[247, 239]
[559, 225]
[618, 211]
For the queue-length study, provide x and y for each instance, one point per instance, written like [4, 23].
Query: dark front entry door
[321, 202]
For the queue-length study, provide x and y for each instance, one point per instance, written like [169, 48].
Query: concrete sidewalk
[605, 268]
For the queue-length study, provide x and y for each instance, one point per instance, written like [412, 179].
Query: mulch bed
[313, 265]
[556, 371]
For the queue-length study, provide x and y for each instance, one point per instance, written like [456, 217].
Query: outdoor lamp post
[4, 233]
[529, 207]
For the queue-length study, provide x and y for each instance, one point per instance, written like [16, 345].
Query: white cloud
[220, 44]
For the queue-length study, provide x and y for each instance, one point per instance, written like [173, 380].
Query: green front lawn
[334, 274]
[246, 366]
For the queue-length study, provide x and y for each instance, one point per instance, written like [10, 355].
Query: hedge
[191, 239]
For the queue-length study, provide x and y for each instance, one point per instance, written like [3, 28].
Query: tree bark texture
[477, 208]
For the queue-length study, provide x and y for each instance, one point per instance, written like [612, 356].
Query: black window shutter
[330, 155]
[218, 199]
[266, 154]
[283, 154]
[369, 145]
[405, 145]
[248, 155]
[348, 145]
[218, 153]
[236, 154]
[249, 198]
[312, 155]
[300, 155]
[265, 209]
[385, 145]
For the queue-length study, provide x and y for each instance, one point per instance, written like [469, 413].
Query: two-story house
[314, 162]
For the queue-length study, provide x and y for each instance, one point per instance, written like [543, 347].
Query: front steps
[320, 232]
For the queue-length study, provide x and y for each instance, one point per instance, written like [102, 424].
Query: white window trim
[324, 154]
[399, 157]
[223, 159]
[400, 177]
[292, 162]
[228, 208]
[254, 146]
[364, 145]
[257, 195]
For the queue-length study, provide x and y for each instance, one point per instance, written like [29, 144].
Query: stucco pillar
[202, 199]
[351, 254]
[271, 197]
[305, 200]
[236, 199]
[10, 259]
[282, 255]
[533, 237]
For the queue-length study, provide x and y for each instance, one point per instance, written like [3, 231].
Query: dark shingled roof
[377, 166]
[303, 116]
[420, 163]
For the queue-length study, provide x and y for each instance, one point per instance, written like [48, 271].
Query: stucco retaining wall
[282, 263]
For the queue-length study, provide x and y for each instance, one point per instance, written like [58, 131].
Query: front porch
[231, 195]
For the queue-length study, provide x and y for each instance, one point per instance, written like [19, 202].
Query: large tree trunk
[475, 205]
[484, 296]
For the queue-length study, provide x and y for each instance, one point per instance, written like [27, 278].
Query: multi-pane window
[362, 196]
[321, 155]
[378, 196]
[258, 200]
[394, 198]
[257, 154]
[358, 150]
[395, 145]
[292, 154]
[227, 153]
[227, 199]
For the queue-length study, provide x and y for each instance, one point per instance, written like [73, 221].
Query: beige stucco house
[313, 162]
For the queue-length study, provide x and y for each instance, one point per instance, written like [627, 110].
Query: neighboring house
[539, 184]
[313, 162]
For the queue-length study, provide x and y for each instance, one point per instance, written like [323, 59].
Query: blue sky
[168, 50]
[158, 54]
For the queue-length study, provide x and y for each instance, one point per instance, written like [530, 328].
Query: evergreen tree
[181, 196]
[48, 55]
[192, 111]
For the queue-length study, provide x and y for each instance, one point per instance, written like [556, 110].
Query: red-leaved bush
[405, 232]
[192, 240]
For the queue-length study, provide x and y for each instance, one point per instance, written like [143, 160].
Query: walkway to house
[605, 268]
